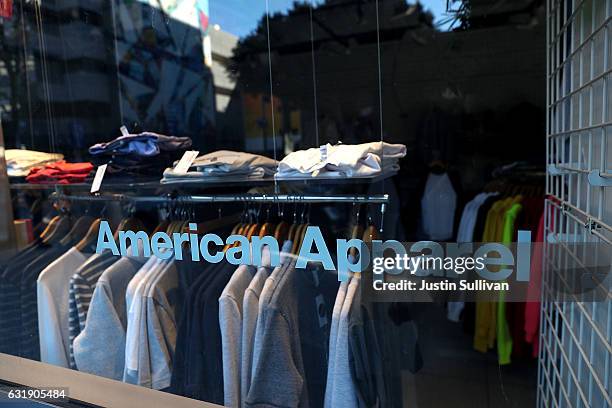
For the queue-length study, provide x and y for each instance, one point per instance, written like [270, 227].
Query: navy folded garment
[144, 144]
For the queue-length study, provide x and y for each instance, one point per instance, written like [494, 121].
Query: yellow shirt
[486, 311]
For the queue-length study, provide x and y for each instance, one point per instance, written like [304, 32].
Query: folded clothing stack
[60, 172]
[224, 164]
[139, 154]
[19, 162]
[361, 160]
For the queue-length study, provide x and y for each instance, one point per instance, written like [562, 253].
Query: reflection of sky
[240, 17]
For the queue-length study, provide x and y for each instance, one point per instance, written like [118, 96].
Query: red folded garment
[60, 172]
[71, 168]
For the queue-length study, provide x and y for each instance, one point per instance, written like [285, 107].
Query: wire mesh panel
[576, 329]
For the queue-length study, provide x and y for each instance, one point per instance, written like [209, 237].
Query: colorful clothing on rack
[486, 311]
[532, 308]
[504, 338]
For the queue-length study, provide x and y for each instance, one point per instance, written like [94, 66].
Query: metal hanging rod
[240, 198]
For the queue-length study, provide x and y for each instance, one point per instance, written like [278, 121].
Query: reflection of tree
[475, 14]
[250, 63]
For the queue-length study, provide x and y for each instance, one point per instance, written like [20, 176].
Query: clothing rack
[239, 198]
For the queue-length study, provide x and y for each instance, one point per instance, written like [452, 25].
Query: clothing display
[362, 160]
[465, 234]
[143, 154]
[504, 338]
[322, 204]
[505, 326]
[218, 332]
[100, 347]
[19, 162]
[53, 306]
[343, 388]
[146, 144]
[532, 308]
[251, 318]
[438, 207]
[247, 334]
[60, 172]
[223, 165]
[81, 289]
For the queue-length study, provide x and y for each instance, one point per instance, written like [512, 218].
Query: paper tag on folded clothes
[183, 165]
[97, 181]
[323, 153]
[124, 131]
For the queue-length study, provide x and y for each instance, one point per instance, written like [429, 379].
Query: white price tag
[183, 165]
[97, 181]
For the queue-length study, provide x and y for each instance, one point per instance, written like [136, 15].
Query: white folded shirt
[360, 160]
[20, 161]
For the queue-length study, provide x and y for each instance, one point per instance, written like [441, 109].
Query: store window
[297, 204]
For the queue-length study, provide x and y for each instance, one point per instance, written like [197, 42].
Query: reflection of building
[95, 65]
[68, 89]
[222, 44]
[163, 81]
[229, 109]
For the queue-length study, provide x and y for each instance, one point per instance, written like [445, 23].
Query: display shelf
[151, 184]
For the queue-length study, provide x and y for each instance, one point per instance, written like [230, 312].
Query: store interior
[450, 94]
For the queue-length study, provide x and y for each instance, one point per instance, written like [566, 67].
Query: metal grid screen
[575, 334]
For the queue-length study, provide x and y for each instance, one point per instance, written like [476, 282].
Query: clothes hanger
[304, 228]
[267, 226]
[370, 231]
[235, 231]
[129, 223]
[296, 233]
[163, 223]
[53, 222]
[58, 226]
[44, 223]
[90, 237]
[291, 232]
[162, 226]
[282, 228]
[50, 227]
[357, 230]
[299, 234]
[248, 222]
[62, 227]
[254, 229]
[242, 227]
[78, 231]
[133, 224]
[173, 225]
